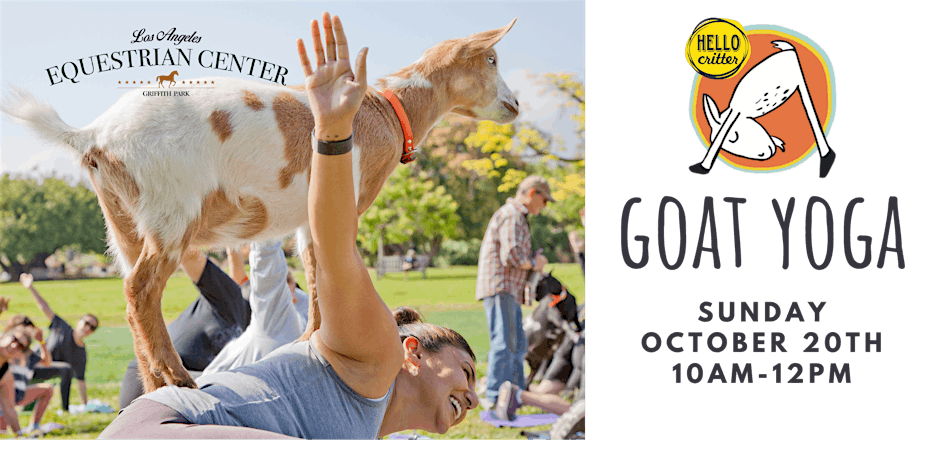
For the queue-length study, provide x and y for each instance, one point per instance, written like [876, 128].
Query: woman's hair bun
[405, 315]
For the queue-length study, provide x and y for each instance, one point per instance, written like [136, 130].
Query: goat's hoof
[167, 378]
[186, 382]
[825, 163]
[699, 169]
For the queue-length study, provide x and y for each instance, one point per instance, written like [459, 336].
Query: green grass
[446, 298]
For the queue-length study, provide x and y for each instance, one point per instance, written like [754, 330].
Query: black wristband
[335, 148]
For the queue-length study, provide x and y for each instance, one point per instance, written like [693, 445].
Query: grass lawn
[446, 298]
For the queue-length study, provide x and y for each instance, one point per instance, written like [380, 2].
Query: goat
[735, 129]
[232, 164]
[167, 78]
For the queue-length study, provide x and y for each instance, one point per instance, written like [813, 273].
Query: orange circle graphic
[789, 121]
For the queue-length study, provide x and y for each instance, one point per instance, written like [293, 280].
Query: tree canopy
[482, 163]
[36, 218]
[411, 209]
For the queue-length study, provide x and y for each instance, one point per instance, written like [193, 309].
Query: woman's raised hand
[26, 280]
[333, 90]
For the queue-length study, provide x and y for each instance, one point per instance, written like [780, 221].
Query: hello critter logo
[744, 74]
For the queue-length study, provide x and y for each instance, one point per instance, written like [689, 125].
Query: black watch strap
[335, 148]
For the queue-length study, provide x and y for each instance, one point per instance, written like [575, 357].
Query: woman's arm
[355, 323]
[27, 281]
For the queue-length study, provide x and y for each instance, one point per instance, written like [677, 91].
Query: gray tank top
[293, 391]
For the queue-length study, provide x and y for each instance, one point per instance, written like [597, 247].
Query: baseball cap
[539, 184]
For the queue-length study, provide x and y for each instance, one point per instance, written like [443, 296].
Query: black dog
[545, 328]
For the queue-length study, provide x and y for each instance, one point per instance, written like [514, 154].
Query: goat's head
[467, 69]
[746, 138]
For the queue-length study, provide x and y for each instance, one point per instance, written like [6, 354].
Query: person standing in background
[505, 261]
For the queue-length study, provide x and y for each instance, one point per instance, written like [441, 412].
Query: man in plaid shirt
[505, 260]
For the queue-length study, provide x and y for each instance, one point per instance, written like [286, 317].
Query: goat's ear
[477, 43]
[711, 112]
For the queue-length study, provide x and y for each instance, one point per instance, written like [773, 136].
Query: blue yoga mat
[521, 421]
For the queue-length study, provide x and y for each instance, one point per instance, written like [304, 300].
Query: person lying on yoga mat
[231, 325]
[278, 313]
[218, 315]
[366, 372]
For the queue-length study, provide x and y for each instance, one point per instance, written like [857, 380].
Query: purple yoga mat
[522, 421]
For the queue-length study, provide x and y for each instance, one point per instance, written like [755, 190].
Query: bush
[458, 253]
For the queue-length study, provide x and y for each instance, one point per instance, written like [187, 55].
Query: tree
[482, 163]
[444, 154]
[509, 153]
[36, 218]
[411, 209]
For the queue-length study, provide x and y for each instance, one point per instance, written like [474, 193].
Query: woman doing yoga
[359, 376]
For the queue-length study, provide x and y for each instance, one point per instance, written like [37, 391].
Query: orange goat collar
[408, 151]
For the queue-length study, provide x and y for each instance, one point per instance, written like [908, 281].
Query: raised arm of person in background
[27, 281]
[4, 304]
[236, 265]
[194, 263]
[271, 302]
[358, 333]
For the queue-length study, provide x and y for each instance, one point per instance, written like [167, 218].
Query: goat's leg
[123, 239]
[826, 154]
[310, 272]
[131, 248]
[143, 360]
[160, 364]
[706, 165]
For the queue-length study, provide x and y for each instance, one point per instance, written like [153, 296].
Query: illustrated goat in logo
[762, 90]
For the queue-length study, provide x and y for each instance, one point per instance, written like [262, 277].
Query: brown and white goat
[232, 164]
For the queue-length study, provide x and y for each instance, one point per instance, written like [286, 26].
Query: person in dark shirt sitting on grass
[66, 345]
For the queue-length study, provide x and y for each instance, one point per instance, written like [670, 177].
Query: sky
[35, 36]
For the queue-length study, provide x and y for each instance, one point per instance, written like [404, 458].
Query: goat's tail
[25, 109]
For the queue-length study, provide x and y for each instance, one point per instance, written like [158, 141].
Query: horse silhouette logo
[167, 78]
[746, 134]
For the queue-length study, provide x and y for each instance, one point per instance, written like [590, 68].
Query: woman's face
[446, 380]
[10, 347]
